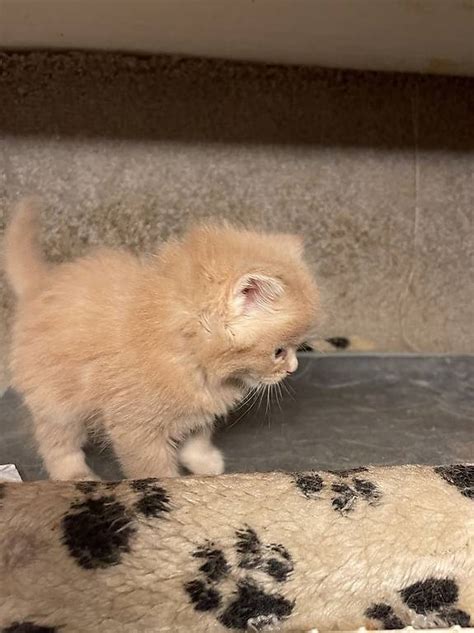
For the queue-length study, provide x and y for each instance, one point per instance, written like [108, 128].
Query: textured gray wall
[377, 171]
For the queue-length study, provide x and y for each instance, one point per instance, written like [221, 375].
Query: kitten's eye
[280, 353]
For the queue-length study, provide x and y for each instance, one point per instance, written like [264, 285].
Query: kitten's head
[248, 301]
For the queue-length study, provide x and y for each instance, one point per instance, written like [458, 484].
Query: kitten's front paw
[212, 463]
[87, 477]
[202, 460]
[71, 471]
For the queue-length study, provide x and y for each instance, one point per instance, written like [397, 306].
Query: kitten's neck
[221, 394]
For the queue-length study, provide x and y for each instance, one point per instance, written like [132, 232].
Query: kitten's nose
[292, 365]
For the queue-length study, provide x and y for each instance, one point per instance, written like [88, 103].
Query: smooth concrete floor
[338, 412]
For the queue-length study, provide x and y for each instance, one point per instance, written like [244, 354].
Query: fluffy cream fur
[384, 548]
[158, 347]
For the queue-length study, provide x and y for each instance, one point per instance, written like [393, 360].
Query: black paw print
[238, 598]
[272, 559]
[153, 499]
[459, 475]
[347, 495]
[348, 488]
[433, 599]
[99, 526]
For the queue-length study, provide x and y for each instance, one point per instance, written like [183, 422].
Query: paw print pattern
[254, 609]
[153, 500]
[272, 559]
[347, 495]
[235, 593]
[348, 488]
[98, 527]
[310, 484]
[436, 597]
[386, 615]
[97, 531]
[459, 475]
[431, 603]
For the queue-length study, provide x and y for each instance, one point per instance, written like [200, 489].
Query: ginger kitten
[159, 346]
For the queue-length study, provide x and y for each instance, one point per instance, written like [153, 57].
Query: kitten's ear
[293, 243]
[256, 292]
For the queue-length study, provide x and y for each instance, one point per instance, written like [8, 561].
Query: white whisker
[247, 397]
[250, 399]
[289, 390]
[278, 395]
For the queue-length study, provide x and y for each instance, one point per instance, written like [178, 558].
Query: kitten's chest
[203, 410]
[220, 400]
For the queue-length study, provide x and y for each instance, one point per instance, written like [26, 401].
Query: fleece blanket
[377, 547]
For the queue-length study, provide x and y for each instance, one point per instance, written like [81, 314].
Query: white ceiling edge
[427, 36]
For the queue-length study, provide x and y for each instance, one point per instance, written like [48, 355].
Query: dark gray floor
[342, 411]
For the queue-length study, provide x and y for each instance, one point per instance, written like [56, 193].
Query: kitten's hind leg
[199, 455]
[60, 439]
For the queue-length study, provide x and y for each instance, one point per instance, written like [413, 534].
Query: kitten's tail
[25, 265]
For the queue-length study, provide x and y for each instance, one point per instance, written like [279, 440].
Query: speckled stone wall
[377, 172]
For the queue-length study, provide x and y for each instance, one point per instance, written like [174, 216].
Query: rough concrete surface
[377, 172]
